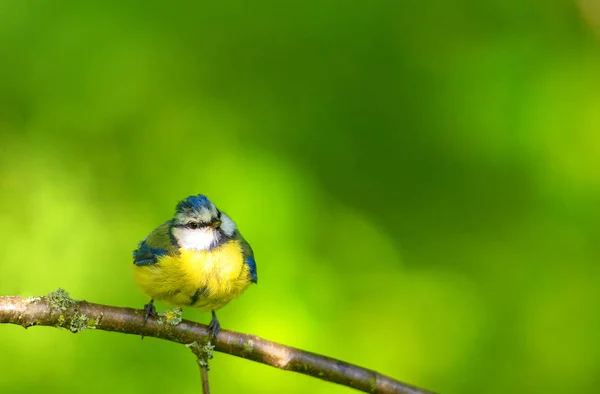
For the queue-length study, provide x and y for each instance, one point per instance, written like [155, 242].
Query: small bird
[198, 259]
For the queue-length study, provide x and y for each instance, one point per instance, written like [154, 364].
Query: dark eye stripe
[196, 225]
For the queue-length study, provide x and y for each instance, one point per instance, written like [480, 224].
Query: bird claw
[214, 327]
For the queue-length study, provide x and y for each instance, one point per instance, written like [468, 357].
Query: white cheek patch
[199, 239]
[227, 225]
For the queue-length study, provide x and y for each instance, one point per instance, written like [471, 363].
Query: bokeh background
[420, 182]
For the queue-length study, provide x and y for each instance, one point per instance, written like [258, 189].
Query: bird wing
[158, 243]
[249, 258]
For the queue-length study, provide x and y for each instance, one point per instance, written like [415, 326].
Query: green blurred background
[419, 180]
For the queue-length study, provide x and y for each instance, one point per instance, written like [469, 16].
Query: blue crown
[193, 203]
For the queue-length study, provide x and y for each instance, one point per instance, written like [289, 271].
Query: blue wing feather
[146, 255]
[249, 259]
[252, 265]
[158, 243]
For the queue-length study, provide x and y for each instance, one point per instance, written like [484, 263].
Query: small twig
[203, 353]
[204, 373]
[58, 310]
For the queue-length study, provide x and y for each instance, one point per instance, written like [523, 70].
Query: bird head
[199, 225]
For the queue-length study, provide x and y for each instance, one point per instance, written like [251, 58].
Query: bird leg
[150, 309]
[214, 326]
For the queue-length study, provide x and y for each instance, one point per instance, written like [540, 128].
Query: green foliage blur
[419, 181]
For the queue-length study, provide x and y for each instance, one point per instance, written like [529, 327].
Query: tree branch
[58, 310]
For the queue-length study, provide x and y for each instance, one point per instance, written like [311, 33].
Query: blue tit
[198, 259]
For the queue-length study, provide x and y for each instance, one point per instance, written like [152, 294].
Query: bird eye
[193, 225]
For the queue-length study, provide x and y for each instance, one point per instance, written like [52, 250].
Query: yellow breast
[204, 279]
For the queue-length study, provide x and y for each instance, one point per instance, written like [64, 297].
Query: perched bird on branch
[198, 259]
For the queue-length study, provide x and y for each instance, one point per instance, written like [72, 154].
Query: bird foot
[150, 310]
[214, 326]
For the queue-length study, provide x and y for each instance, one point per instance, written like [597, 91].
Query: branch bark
[61, 311]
